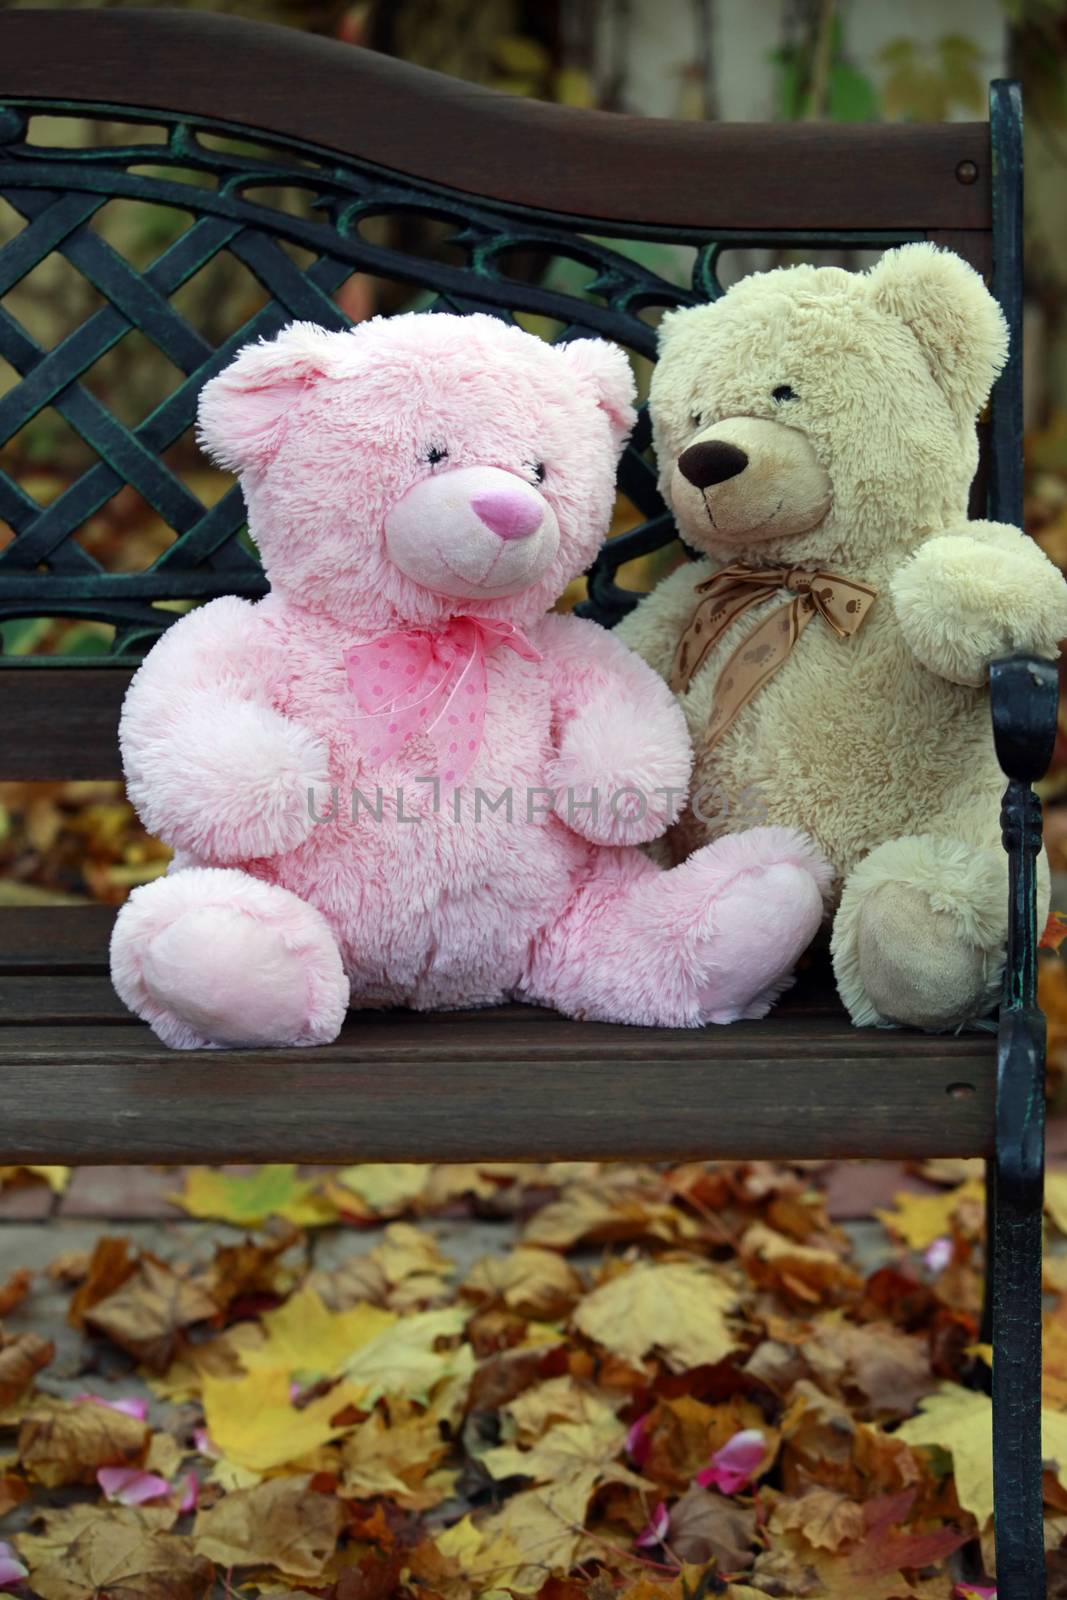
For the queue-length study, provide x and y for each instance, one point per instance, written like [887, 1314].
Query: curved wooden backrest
[593, 164]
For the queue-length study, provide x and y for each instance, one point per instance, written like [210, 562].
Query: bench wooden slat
[54, 939]
[493, 1085]
[813, 1026]
[604, 165]
[59, 722]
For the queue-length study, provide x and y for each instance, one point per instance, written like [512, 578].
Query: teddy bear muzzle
[748, 480]
[473, 533]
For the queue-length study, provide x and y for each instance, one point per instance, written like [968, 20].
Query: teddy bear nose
[711, 462]
[509, 513]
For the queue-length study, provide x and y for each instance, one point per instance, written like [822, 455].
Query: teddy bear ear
[952, 314]
[241, 414]
[605, 369]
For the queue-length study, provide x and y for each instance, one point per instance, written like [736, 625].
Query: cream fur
[880, 745]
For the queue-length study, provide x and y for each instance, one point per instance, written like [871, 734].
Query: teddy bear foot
[710, 941]
[920, 933]
[916, 966]
[761, 925]
[212, 957]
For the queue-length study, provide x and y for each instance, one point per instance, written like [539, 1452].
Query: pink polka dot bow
[433, 683]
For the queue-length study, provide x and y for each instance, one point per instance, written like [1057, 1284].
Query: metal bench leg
[1024, 702]
[1014, 1268]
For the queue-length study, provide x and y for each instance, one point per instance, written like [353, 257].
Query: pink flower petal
[131, 1487]
[11, 1568]
[657, 1529]
[731, 1467]
[638, 1444]
[205, 1445]
[936, 1258]
[191, 1494]
[130, 1407]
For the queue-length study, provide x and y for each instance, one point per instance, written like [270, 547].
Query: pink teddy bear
[397, 781]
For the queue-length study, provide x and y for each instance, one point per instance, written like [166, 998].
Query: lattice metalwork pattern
[241, 202]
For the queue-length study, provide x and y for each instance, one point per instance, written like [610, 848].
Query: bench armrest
[1024, 692]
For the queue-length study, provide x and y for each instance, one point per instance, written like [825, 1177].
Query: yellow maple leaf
[538, 1531]
[461, 1542]
[404, 1359]
[56, 1178]
[303, 1336]
[255, 1424]
[1056, 1198]
[564, 1452]
[961, 1422]
[679, 1308]
[270, 1191]
[919, 1219]
[384, 1186]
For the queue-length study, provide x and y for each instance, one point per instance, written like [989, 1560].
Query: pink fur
[272, 921]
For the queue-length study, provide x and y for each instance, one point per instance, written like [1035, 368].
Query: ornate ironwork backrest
[370, 139]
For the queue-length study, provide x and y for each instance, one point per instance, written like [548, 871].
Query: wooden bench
[368, 137]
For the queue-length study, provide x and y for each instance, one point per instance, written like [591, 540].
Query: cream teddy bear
[815, 431]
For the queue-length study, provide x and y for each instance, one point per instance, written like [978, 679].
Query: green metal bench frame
[369, 137]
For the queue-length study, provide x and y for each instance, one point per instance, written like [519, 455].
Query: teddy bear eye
[784, 392]
[436, 453]
[696, 418]
[538, 470]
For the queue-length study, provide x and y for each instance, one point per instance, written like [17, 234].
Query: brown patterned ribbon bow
[733, 590]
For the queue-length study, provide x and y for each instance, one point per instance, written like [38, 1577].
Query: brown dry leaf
[532, 1282]
[621, 1205]
[566, 1451]
[15, 1290]
[70, 1267]
[683, 1434]
[109, 1266]
[252, 1267]
[395, 1459]
[823, 1443]
[536, 1532]
[705, 1526]
[357, 1281]
[407, 1252]
[13, 1491]
[802, 1273]
[556, 1400]
[790, 1569]
[148, 1314]
[828, 1520]
[57, 1527]
[678, 1308]
[952, 1171]
[114, 1558]
[873, 1362]
[69, 1443]
[218, 1357]
[281, 1523]
[22, 1356]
